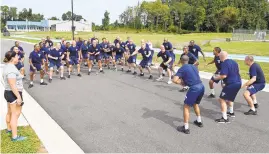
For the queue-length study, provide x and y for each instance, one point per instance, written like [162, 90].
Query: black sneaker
[89, 73]
[256, 105]
[199, 124]
[122, 69]
[31, 86]
[211, 96]
[222, 120]
[109, 67]
[150, 77]
[43, 84]
[79, 75]
[231, 114]
[134, 73]
[128, 71]
[68, 76]
[50, 80]
[251, 112]
[163, 74]
[141, 74]
[182, 129]
[183, 90]
[101, 71]
[63, 78]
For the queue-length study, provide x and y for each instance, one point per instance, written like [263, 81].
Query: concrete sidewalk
[53, 137]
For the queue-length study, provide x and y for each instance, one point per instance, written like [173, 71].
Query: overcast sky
[91, 10]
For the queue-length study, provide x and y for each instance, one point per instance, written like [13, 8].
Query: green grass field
[207, 41]
[31, 145]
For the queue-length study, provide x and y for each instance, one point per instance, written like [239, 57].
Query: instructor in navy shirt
[188, 75]
[254, 85]
[232, 84]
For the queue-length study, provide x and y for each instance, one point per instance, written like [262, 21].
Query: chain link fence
[250, 35]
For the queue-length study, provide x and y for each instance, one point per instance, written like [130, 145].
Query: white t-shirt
[10, 71]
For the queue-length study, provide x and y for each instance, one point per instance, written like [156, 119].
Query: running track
[117, 112]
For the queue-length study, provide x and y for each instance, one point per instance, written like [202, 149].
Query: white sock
[253, 109]
[90, 69]
[199, 119]
[41, 81]
[101, 69]
[212, 91]
[85, 63]
[224, 115]
[255, 101]
[231, 109]
[31, 82]
[186, 125]
[163, 71]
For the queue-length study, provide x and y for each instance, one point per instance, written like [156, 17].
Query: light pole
[73, 27]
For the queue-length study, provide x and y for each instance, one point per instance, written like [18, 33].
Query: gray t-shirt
[10, 71]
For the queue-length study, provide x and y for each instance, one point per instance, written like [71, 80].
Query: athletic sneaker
[31, 86]
[256, 105]
[50, 80]
[128, 71]
[141, 74]
[89, 73]
[169, 82]
[231, 114]
[150, 77]
[122, 69]
[109, 67]
[43, 83]
[199, 124]
[211, 96]
[163, 74]
[18, 138]
[182, 129]
[134, 73]
[159, 79]
[101, 71]
[63, 78]
[251, 112]
[68, 76]
[222, 120]
[79, 75]
[184, 89]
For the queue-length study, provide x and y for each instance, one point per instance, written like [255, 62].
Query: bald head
[184, 59]
[223, 55]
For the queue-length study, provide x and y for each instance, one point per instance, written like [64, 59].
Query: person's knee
[246, 93]
[51, 68]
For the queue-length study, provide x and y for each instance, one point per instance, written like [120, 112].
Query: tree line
[178, 16]
[12, 14]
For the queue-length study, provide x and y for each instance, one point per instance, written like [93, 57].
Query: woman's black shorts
[10, 96]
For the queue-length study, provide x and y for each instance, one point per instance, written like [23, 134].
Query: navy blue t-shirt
[20, 55]
[217, 62]
[56, 53]
[84, 48]
[131, 48]
[93, 49]
[45, 50]
[192, 58]
[19, 47]
[144, 52]
[50, 42]
[123, 45]
[256, 70]
[165, 56]
[116, 41]
[189, 74]
[195, 50]
[167, 46]
[73, 51]
[230, 68]
[119, 51]
[36, 57]
[63, 47]
[79, 44]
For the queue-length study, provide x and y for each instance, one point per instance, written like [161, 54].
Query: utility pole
[73, 27]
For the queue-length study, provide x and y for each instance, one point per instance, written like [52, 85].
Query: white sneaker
[169, 82]
[159, 79]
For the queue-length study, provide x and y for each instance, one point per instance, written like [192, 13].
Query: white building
[67, 26]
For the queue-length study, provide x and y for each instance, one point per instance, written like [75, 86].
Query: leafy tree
[105, 21]
[53, 18]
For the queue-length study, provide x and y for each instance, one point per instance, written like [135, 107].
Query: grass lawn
[31, 145]
[212, 69]
[250, 48]
[178, 41]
